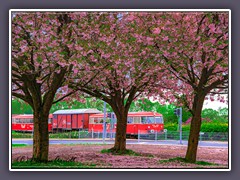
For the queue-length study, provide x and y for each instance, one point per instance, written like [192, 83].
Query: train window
[91, 121]
[29, 121]
[147, 120]
[144, 120]
[159, 120]
[130, 120]
[96, 120]
[150, 120]
[136, 120]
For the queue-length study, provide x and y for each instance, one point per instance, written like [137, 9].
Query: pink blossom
[165, 38]
[156, 30]
[212, 27]
[75, 71]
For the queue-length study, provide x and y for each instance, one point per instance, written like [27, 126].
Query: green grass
[204, 163]
[18, 145]
[180, 159]
[21, 135]
[56, 164]
[70, 134]
[127, 152]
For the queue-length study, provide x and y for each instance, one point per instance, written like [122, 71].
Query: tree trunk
[191, 154]
[120, 139]
[40, 137]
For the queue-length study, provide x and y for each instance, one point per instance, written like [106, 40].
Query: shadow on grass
[127, 152]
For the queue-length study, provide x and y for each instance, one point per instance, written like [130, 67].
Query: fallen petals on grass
[149, 156]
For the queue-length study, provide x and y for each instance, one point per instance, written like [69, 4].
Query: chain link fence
[174, 135]
[169, 135]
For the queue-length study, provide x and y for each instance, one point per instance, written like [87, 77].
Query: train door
[80, 121]
[130, 125]
[85, 121]
[61, 121]
[74, 121]
[137, 124]
[68, 122]
[54, 121]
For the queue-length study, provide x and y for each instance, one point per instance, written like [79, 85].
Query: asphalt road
[108, 141]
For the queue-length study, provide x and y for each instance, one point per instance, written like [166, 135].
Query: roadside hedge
[205, 127]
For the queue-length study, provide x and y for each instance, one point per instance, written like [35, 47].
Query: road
[129, 141]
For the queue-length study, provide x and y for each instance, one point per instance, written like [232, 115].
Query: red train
[25, 122]
[91, 120]
[71, 119]
[145, 122]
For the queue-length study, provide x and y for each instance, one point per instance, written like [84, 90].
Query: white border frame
[117, 10]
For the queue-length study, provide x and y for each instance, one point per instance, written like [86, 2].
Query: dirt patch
[150, 156]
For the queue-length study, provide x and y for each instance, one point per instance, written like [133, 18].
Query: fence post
[111, 135]
[138, 135]
[92, 133]
[165, 135]
[201, 133]
[155, 136]
[79, 134]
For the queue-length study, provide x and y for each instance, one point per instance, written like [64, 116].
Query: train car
[143, 122]
[72, 119]
[24, 122]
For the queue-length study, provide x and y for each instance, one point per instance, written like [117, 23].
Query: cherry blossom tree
[130, 68]
[194, 47]
[41, 65]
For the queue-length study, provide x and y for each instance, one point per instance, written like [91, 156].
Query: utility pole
[104, 121]
[178, 112]
[180, 125]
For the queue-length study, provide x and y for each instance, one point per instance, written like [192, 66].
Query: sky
[214, 105]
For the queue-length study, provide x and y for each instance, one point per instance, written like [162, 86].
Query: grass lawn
[56, 164]
[83, 156]
[19, 145]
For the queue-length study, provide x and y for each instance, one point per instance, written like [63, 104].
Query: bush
[205, 127]
[174, 127]
[171, 126]
[214, 127]
[21, 134]
[70, 134]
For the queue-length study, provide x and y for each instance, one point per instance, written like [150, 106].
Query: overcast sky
[214, 105]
